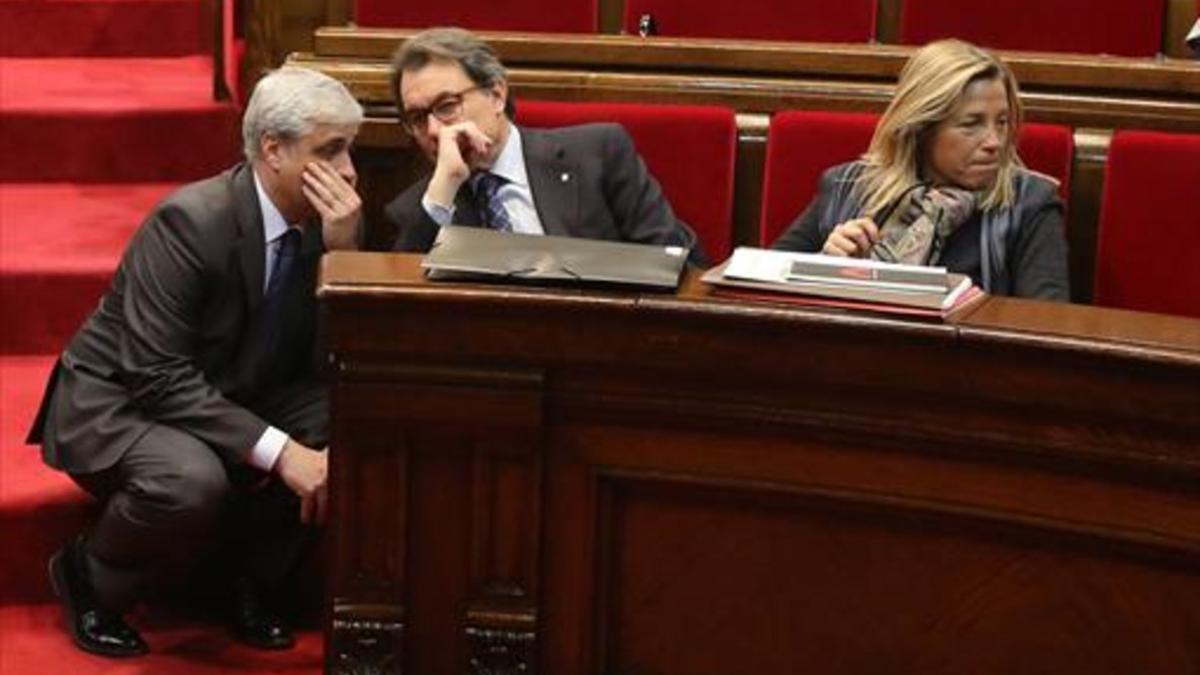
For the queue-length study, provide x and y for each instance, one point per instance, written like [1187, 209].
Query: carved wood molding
[1048, 436]
[506, 517]
[501, 643]
[1177, 548]
[359, 370]
[365, 646]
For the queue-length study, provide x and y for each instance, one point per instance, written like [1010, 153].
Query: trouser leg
[269, 539]
[162, 508]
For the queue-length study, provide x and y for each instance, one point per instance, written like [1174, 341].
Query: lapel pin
[564, 177]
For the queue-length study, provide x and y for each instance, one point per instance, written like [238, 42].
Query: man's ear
[270, 148]
[500, 94]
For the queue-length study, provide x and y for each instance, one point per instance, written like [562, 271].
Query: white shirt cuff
[268, 448]
[442, 215]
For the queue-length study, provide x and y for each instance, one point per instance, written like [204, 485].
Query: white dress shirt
[266, 451]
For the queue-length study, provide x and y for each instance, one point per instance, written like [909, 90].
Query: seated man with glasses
[582, 181]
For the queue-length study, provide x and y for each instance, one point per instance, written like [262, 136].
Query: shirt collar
[274, 224]
[510, 163]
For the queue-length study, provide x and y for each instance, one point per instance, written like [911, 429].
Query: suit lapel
[250, 245]
[553, 182]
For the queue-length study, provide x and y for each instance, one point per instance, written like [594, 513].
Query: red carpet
[33, 643]
[112, 120]
[59, 245]
[105, 107]
[91, 28]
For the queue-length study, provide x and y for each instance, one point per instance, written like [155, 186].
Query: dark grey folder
[472, 253]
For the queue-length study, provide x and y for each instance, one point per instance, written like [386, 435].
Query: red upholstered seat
[689, 149]
[1049, 149]
[1148, 256]
[1120, 27]
[811, 20]
[565, 16]
[802, 144]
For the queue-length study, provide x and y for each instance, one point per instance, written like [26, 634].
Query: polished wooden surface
[581, 481]
[295, 21]
[763, 57]
[764, 76]
[368, 80]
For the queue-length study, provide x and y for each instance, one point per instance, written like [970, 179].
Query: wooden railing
[289, 26]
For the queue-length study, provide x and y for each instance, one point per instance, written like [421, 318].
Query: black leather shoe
[93, 628]
[253, 624]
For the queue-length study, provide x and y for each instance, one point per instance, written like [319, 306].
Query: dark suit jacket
[169, 343]
[587, 181]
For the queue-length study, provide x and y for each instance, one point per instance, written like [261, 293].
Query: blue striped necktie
[491, 210]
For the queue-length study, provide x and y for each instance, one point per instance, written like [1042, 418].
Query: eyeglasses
[446, 109]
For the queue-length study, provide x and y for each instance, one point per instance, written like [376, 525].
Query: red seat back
[810, 20]
[689, 149]
[1119, 27]
[1049, 149]
[1148, 255]
[566, 16]
[802, 144]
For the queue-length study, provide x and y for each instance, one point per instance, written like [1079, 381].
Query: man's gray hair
[289, 102]
[456, 45]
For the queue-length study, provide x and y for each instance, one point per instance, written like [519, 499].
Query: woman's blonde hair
[931, 86]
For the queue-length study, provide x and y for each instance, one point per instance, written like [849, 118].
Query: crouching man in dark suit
[189, 404]
[582, 181]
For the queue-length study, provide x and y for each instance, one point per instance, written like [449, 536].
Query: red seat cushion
[689, 149]
[1148, 256]
[569, 16]
[812, 20]
[802, 144]
[1120, 27]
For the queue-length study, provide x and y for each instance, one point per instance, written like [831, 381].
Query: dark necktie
[491, 211]
[281, 272]
[266, 357]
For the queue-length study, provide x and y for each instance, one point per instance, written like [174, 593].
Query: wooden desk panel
[567, 481]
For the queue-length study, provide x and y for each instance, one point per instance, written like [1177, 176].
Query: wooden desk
[562, 481]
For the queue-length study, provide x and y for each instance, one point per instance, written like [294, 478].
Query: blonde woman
[941, 183]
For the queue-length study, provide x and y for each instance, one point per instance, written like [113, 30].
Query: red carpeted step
[112, 120]
[59, 245]
[101, 28]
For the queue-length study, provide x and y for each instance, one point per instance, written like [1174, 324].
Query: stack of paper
[868, 284]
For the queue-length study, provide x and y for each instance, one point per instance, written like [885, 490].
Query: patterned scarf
[916, 230]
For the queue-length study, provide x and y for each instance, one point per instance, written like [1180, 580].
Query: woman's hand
[852, 239]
